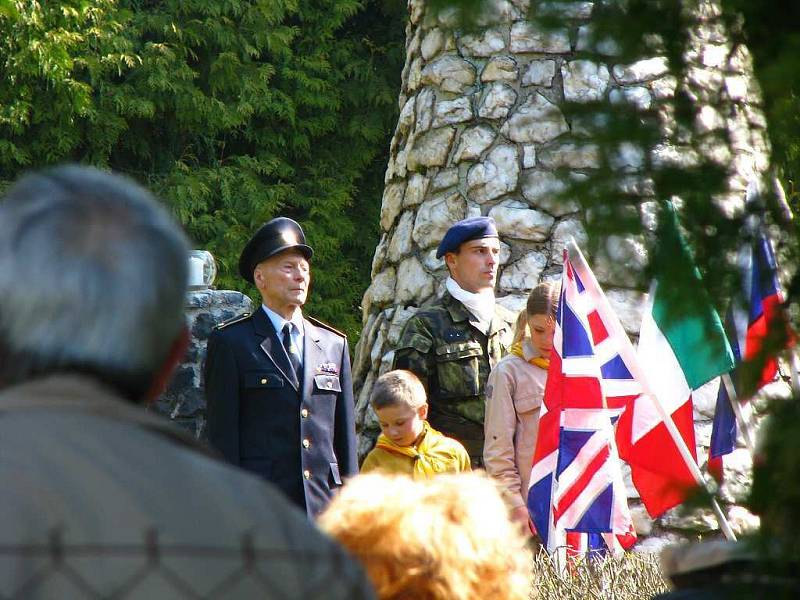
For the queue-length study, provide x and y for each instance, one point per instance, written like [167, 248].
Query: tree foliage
[232, 111]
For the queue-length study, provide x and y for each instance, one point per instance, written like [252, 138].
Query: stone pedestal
[184, 402]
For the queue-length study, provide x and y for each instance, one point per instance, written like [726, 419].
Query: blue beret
[474, 228]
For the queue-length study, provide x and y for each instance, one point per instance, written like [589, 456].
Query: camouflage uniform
[443, 347]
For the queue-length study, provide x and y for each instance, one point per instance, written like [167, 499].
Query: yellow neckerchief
[539, 361]
[423, 453]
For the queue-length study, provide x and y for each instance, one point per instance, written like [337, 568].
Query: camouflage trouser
[469, 433]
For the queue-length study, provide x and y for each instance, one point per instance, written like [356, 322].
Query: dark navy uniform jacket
[300, 435]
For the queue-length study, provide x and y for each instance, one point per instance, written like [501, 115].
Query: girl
[514, 394]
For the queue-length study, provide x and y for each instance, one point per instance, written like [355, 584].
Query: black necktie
[287, 345]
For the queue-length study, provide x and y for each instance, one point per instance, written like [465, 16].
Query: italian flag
[682, 346]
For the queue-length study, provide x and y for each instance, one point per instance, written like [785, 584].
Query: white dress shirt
[297, 336]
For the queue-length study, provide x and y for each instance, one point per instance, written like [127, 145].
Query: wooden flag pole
[737, 410]
[794, 367]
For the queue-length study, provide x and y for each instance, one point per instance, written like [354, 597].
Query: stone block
[539, 72]
[415, 190]
[500, 68]
[571, 155]
[589, 42]
[628, 306]
[497, 101]
[543, 189]
[435, 216]
[495, 176]
[535, 120]
[450, 112]
[444, 179]
[523, 274]
[698, 520]
[528, 37]
[391, 204]
[431, 148]
[380, 255]
[487, 43]
[640, 71]
[400, 245]
[566, 231]
[449, 73]
[517, 220]
[432, 44]
[638, 96]
[528, 156]
[473, 142]
[584, 80]
[565, 10]
[414, 284]
[381, 290]
[513, 302]
[423, 108]
[622, 260]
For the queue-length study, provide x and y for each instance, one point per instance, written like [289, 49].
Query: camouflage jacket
[443, 347]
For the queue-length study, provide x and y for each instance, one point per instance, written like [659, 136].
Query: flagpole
[794, 367]
[737, 410]
[677, 438]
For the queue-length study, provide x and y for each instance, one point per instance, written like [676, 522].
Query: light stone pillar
[481, 131]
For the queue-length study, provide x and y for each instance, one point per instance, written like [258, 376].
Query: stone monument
[482, 131]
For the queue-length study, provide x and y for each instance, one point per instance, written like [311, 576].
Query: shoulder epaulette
[319, 323]
[236, 319]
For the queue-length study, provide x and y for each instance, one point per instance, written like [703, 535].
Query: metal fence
[156, 570]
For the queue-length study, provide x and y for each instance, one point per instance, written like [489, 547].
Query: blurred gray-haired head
[93, 275]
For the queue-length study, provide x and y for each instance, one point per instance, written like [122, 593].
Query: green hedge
[232, 111]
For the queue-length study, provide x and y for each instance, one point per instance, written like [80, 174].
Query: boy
[408, 444]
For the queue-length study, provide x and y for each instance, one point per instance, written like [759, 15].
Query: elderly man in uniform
[278, 385]
[452, 344]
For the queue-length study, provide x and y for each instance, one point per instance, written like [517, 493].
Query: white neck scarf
[481, 305]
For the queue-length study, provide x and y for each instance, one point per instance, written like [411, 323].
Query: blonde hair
[543, 300]
[398, 387]
[448, 538]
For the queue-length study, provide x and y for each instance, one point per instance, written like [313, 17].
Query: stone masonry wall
[481, 132]
[184, 402]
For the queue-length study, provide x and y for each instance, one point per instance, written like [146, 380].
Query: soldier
[278, 387]
[452, 344]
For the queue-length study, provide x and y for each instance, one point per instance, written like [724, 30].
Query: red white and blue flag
[747, 328]
[577, 498]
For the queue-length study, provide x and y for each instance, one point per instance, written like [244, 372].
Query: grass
[631, 577]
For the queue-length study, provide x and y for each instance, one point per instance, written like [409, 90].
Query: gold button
[306, 443]
[304, 413]
[307, 474]
[263, 381]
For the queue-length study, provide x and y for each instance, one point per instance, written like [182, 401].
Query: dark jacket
[101, 499]
[442, 345]
[298, 435]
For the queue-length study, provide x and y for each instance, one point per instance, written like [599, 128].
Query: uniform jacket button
[304, 413]
[263, 382]
[307, 474]
[306, 443]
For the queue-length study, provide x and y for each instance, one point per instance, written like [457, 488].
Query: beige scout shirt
[514, 394]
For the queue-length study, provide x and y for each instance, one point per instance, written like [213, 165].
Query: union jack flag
[577, 499]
